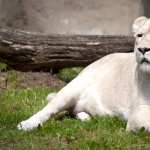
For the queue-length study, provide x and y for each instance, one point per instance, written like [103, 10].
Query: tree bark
[26, 51]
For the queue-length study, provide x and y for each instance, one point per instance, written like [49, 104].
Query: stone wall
[71, 16]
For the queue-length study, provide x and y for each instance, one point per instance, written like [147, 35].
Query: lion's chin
[145, 67]
[143, 62]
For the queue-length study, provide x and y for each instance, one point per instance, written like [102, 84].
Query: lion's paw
[29, 124]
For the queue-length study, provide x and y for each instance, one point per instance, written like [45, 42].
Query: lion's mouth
[144, 60]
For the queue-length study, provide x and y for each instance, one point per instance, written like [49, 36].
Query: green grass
[3, 67]
[101, 133]
[67, 74]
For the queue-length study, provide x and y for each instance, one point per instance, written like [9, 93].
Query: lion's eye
[139, 35]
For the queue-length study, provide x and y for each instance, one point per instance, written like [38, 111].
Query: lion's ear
[139, 22]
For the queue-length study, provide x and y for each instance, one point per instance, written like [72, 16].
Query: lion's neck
[143, 83]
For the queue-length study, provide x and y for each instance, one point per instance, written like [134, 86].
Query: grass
[101, 133]
[3, 67]
[67, 74]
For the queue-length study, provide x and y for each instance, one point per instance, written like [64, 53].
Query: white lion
[118, 84]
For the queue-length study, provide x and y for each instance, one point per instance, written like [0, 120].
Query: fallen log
[26, 51]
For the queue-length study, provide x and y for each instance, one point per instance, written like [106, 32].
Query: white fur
[116, 85]
[51, 96]
[83, 116]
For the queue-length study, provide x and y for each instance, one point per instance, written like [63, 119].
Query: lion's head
[141, 30]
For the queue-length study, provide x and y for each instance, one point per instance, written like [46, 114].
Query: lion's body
[116, 85]
[96, 86]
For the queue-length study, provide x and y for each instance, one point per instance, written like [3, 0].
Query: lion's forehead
[145, 28]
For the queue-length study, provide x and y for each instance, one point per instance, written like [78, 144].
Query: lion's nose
[144, 50]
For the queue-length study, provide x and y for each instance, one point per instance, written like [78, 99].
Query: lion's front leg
[37, 119]
[139, 118]
[29, 124]
[61, 101]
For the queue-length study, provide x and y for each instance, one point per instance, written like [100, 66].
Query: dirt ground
[22, 80]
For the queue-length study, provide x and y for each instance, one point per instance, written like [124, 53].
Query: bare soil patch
[23, 80]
